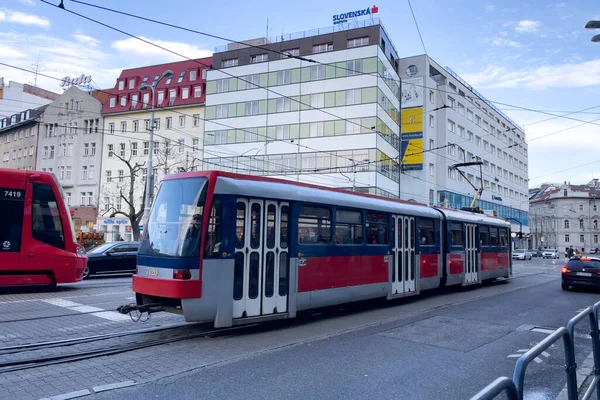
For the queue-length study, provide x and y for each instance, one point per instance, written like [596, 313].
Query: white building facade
[566, 215]
[70, 145]
[322, 109]
[16, 97]
[446, 122]
[178, 137]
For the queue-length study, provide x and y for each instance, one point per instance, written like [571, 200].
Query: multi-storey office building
[459, 125]
[178, 134]
[18, 139]
[566, 215]
[319, 107]
[70, 144]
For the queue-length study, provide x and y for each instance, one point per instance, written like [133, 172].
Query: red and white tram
[37, 239]
[234, 248]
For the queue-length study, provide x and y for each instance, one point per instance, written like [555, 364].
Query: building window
[197, 91]
[581, 224]
[353, 96]
[321, 48]
[123, 126]
[251, 81]
[134, 149]
[252, 107]
[122, 150]
[363, 41]
[84, 173]
[196, 120]
[230, 63]
[595, 239]
[283, 104]
[451, 173]
[284, 77]
[181, 145]
[113, 101]
[195, 142]
[565, 193]
[168, 122]
[581, 239]
[431, 97]
[172, 96]
[451, 126]
[121, 175]
[121, 85]
[431, 121]
[110, 150]
[123, 101]
[91, 172]
[86, 149]
[146, 148]
[181, 76]
[431, 170]
[290, 53]
[185, 93]
[68, 172]
[317, 72]
[223, 85]
[354, 67]
[259, 58]
[111, 127]
[581, 207]
[134, 100]
[193, 75]
[132, 83]
[45, 153]
[566, 224]
[182, 121]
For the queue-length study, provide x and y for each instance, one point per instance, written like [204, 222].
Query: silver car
[521, 254]
[550, 253]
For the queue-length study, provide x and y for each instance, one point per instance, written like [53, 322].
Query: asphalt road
[447, 346]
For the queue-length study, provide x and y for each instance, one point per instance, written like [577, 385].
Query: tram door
[403, 259]
[471, 264]
[261, 273]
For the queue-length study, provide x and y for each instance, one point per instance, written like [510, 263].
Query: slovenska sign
[342, 18]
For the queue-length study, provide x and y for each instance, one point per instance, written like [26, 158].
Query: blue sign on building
[497, 198]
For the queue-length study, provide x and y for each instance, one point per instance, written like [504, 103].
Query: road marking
[82, 308]
[543, 330]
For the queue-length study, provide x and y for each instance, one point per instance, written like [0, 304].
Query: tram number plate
[151, 271]
[584, 274]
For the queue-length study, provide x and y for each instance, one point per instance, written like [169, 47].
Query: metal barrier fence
[514, 388]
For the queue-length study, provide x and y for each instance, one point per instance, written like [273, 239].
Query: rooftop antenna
[267, 27]
[37, 67]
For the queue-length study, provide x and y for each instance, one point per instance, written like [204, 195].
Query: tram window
[284, 232]
[314, 225]
[270, 274]
[283, 273]
[255, 226]
[212, 247]
[240, 225]
[254, 275]
[426, 232]
[238, 276]
[348, 227]
[11, 214]
[493, 236]
[503, 237]
[271, 209]
[377, 228]
[457, 233]
[484, 235]
[46, 225]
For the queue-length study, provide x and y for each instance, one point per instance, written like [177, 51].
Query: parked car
[581, 271]
[521, 254]
[112, 258]
[550, 253]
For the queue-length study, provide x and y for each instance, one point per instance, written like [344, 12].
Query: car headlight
[81, 251]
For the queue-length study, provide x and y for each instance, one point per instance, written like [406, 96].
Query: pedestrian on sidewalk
[569, 253]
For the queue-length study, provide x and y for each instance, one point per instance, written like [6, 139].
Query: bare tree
[127, 191]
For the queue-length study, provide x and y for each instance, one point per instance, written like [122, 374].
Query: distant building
[566, 215]
[70, 145]
[18, 139]
[178, 134]
[16, 97]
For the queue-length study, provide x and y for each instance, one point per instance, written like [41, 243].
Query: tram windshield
[175, 224]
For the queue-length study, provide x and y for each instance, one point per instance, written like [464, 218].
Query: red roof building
[186, 87]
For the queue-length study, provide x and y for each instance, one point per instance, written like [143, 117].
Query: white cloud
[27, 2]
[88, 40]
[9, 52]
[527, 25]
[18, 17]
[136, 47]
[568, 75]
[490, 8]
[505, 42]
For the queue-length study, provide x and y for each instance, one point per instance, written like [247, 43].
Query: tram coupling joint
[146, 308]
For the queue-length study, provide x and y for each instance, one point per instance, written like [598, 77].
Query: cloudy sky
[534, 55]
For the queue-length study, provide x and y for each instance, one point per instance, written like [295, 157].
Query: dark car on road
[112, 258]
[581, 271]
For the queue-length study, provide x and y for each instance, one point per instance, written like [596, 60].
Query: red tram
[37, 239]
[235, 249]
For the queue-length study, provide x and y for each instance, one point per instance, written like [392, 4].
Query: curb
[583, 374]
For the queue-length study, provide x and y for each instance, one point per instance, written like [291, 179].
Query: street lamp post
[167, 74]
[594, 25]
